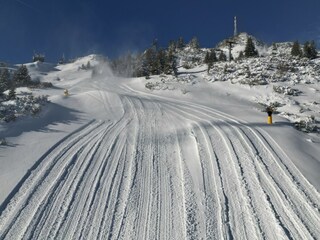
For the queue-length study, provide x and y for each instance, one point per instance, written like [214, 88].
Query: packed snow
[186, 157]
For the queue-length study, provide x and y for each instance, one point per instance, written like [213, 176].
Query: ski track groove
[172, 173]
[132, 173]
[145, 154]
[177, 182]
[211, 201]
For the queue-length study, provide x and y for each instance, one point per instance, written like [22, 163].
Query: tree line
[309, 50]
[154, 60]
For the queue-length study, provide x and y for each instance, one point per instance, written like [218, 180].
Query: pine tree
[62, 59]
[309, 50]
[306, 49]
[12, 93]
[149, 60]
[313, 50]
[21, 77]
[172, 46]
[151, 63]
[210, 58]
[250, 50]
[139, 66]
[194, 43]
[222, 57]
[181, 44]
[206, 58]
[296, 50]
[161, 60]
[241, 55]
[172, 60]
[4, 80]
[274, 48]
[88, 66]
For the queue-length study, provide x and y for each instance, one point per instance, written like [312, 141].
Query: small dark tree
[206, 58]
[241, 55]
[180, 43]
[140, 66]
[12, 92]
[309, 50]
[306, 49]
[194, 43]
[210, 58]
[222, 57]
[21, 76]
[296, 50]
[4, 80]
[170, 64]
[250, 50]
[274, 49]
[151, 62]
[62, 60]
[313, 50]
[88, 65]
[172, 46]
[161, 60]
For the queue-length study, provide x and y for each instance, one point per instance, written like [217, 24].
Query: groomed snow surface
[116, 161]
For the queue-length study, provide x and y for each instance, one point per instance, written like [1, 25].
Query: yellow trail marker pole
[269, 111]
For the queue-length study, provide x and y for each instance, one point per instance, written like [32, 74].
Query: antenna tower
[235, 33]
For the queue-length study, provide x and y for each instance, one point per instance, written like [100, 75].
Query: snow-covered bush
[150, 85]
[254, 81]
[286, 90]
[307, 124]
[21, 106]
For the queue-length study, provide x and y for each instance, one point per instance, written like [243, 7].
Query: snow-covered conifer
[194, 43]
[4, 80]
[180, 43]
[222, 57]
[12, 93]
[250, 49]
[309, 50]
[21, 77]
[296, 50]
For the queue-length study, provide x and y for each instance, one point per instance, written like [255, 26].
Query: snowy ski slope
[164, 169]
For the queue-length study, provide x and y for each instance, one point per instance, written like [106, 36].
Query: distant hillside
[239, 43]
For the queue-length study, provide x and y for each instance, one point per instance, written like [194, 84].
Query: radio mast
[235, 33]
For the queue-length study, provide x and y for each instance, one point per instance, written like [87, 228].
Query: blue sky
[79, 27]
